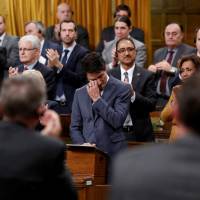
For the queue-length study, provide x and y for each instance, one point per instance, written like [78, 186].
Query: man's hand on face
[93, 90]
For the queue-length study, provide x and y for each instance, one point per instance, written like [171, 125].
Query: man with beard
[137, 126]
[69, 75]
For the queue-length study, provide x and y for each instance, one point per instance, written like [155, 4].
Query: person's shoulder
[160, 50]
[137, 43]
[81, 29]
[143, 71]
[187, 47]
[81, 49]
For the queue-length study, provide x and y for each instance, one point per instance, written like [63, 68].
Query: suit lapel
[5, 40]
[136, 77]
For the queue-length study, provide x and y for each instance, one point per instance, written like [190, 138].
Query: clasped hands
[163, 65]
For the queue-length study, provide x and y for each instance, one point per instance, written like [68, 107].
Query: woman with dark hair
[188, 65]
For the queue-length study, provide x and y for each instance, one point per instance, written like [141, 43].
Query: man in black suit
[37, 28]
[108, 33]
[32, 166]
[165, 171]
[64, 12]
[165, 62]
[69, 73]
[3, 62]
[29, 52]
[137, 126]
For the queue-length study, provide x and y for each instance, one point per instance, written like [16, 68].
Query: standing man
[165, 171]
[137, 126]
[69, 73]
[37, 28]
[165, 62]
[31, 165]
[64, 12]
[29, 53]
[10, 43]
[100, 108]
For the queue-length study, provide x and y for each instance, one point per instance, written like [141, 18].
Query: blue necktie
[64, 59]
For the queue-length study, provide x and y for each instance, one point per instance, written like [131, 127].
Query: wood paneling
[185, 12]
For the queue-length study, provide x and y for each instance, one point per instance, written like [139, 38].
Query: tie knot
[170, 51]
[66, 51]
[125, 73]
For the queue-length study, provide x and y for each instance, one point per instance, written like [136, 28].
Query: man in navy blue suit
[29, 53]
[100, 108]
[68, 70]
[37, 28]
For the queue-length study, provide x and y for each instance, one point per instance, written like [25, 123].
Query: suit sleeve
[147, 98]
[116, 114]
[13, 53]
[76, 122]
[141, 56]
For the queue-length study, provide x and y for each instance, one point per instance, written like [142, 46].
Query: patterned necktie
[164, 76]
[126, 78]
[64, 59]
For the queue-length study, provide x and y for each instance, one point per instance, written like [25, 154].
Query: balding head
[64, 12]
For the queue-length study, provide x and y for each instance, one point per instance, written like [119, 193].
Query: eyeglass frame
[26, 49]
[123, 50]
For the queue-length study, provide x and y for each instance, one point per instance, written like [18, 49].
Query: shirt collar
[71, 47]
[130, 70]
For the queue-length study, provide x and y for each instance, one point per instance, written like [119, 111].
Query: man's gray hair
[21, 96]
[39, 25]
[35, 41]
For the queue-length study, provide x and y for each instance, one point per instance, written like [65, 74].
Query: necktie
[64, 59]
[164, 76]
[126, 79]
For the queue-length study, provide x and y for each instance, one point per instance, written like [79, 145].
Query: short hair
[36, 76]
[188, 99]
[196, 31]
[69, 21]
[39, 25]
[124, 19]
[21, 96]
[178, 24]
[33, 39]
[128, 39]
[123, 7]
[193, 58]
[93, 63]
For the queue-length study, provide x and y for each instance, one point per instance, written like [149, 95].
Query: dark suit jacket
[49, 77]
[145, 100]
[32, 166]
[82, 39]
[165, 171]
[108, 34]
[159, 55]
[101, 122]
[72, 74]
[11, 45]
[50, 45]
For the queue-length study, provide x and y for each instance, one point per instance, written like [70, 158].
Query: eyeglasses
[26, 49]
[128, 49]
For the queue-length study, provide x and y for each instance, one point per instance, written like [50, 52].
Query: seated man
[29, 53]
[64, 12]
[122, 29]
[100, 108]
[108, 33]
[32, 165]
[165, 62]
[38, 29]
[137, 126]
